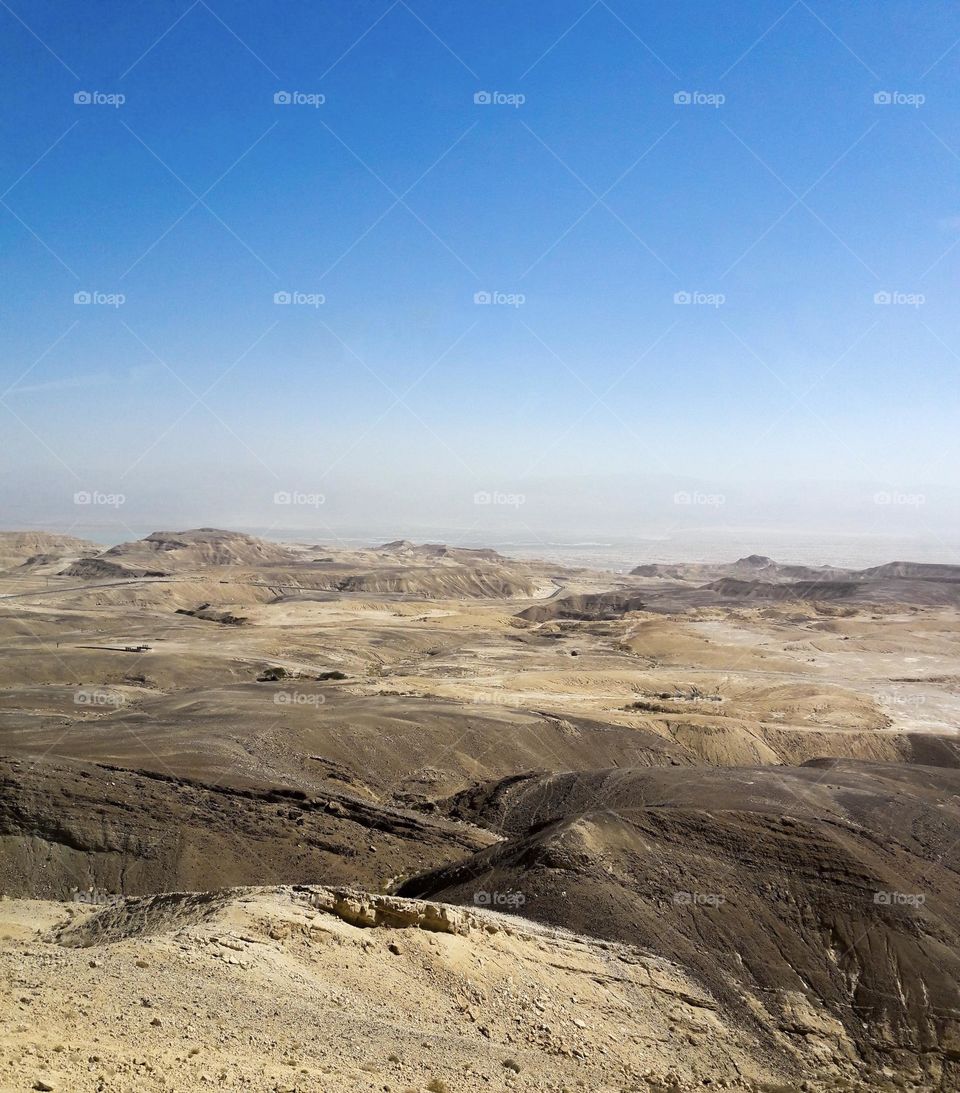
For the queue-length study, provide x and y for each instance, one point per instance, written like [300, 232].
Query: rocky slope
[404, 995]
[774, 888]
[68, 827]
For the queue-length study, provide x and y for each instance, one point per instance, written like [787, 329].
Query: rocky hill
[769, 886]
[332, 989]
[18, 547]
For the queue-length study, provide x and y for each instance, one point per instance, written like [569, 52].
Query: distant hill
[165, 552]
[756, 578]
[755, 567]
[18, 547]
[405, 548]
[917, 571]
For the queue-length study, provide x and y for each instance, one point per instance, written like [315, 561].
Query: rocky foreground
[312, 988]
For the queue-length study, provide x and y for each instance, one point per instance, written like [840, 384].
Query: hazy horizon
[618, 552]
[648, 271]
[624, 520]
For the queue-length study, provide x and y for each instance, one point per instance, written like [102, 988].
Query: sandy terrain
[203, 710]
[319, 998]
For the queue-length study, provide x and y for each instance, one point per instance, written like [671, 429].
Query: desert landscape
[421, 817]
[479, 547]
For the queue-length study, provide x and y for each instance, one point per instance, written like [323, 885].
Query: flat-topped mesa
[754, 567]
[164, 552]
[199, 546]
[440, 550]
[757, 577]
[917, 571]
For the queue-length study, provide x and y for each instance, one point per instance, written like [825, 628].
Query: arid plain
[464, 822]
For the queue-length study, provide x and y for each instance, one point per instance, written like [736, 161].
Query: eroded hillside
[735, 785]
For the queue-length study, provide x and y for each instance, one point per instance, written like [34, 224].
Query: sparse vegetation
[272, 675]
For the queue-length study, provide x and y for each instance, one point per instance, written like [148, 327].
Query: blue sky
[782, 200]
